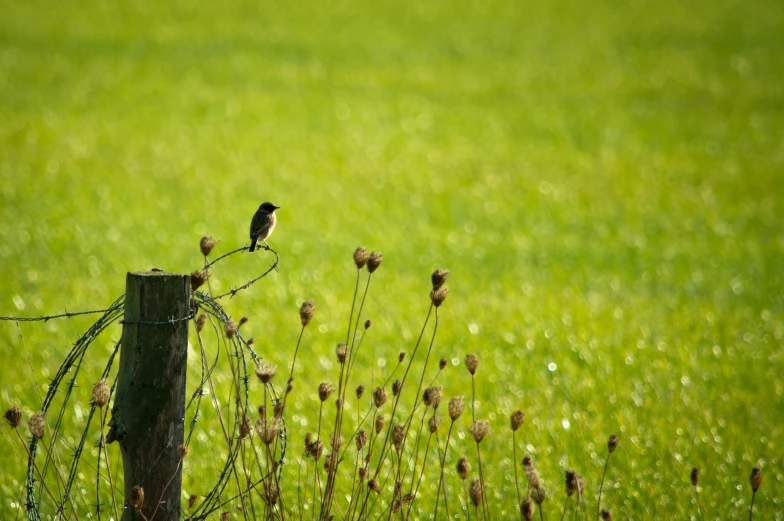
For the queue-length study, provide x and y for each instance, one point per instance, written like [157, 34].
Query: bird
[262, 224]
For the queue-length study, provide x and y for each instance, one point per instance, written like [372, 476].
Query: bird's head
[268, 207]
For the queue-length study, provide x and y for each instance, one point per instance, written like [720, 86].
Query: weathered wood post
[149, 407]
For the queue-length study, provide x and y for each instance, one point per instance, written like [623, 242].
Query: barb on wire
[67, 314]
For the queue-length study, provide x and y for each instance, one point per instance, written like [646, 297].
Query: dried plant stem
[108, 470]
[467, 504]
[316, 459]
[566, 504]
[699, 506]
[541, 515]
[751, 507]
[601, 487]
[419, 480]
[293, 361]
[163, 492]
[514, 464]
[485, 507]
[443, 462]
[394, 405]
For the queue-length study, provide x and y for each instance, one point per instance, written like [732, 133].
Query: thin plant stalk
[566, 505]
[514, 464]
[443, 462]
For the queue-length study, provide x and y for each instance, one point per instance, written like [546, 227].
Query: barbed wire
[61, 390]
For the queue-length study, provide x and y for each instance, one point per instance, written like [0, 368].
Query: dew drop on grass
[552, 367]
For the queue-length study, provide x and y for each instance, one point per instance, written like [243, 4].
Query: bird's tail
[253, 246]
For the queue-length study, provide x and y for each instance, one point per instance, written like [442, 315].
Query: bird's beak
[277, 207]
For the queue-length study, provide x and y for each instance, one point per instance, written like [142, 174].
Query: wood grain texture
[149, 408]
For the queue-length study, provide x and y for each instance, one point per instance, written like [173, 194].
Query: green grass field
[603, 180]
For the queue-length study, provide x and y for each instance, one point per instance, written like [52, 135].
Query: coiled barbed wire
[65, 380]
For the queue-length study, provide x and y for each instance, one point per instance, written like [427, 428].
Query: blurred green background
[603, 180]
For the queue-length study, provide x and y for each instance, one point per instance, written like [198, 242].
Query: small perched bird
[262, 224]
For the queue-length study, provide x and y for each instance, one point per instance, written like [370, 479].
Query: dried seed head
[438, 278]
[438, 296]
[373, 485]
[289, 388]
[442, 364]
[137, 498]
[250, 341]
[516, 420]
[183, 451]
[101, 393]
[475, 492]
[362, 474]
[408, 498]
[341, 351]
[527, 509]
[456, 406]
[245, 427]
[262, 411]
[206, 244]
[368, 323]
[243, 321]
[192, 500]
[200, 321]
[13, 417]
[306, 312]
[336, 442]
[538, 494]
[432, 396]
[606, 515]
[396, 506]
[36, 424]
[478, 430]
[463, 468]
[278, 411]
[379, 424]
[756, 479]
[433, 424]
[315, 449]
[230, 328]
[571, 482]
[471, 363]
[398, 487]
[225, 516]
[374, 261]
[360, 257]
[361, 439]
[530, 472]
[379, 397]
[266, 372]
[271, 492]
[268, 430]
[580, 485]
[401, 356]
[398, 433]
[308, 439]
[397, 385]
[198, 278]
[695, 476]
[360, 391]
[329, 461]
[324, 390]
[612, 443]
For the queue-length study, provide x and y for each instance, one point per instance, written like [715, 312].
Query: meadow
[603, 180]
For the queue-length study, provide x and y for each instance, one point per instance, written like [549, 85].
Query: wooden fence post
[148, 416]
